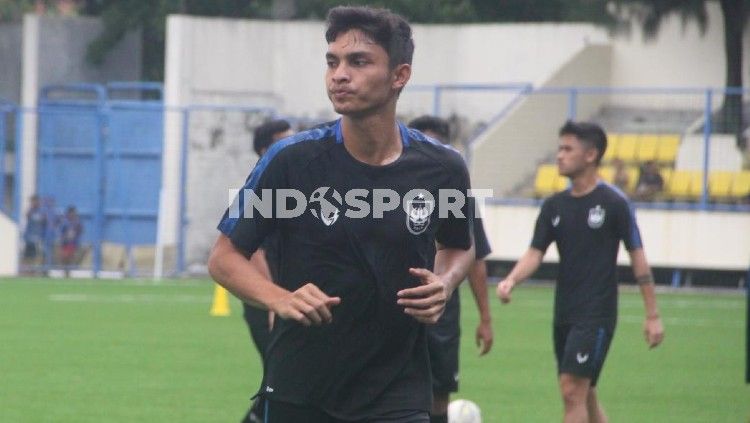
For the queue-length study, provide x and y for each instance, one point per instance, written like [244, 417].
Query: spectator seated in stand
[650, 183]
[621, 179]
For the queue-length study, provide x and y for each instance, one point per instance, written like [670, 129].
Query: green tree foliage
[149, 16]
[435, 11]
[467, 11]
[13, 10]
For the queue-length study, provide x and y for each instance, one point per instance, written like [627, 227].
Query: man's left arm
[653, 328]
[630, 234]
[478, 284]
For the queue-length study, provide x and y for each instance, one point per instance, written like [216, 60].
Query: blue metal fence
[102, 154]
[438, 90]
[69, 167]
[133, 164]
[100, 148]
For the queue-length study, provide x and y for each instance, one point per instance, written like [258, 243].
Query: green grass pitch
[116, 351]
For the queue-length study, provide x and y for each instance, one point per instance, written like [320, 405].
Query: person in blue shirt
[70, 231]
[34, 233]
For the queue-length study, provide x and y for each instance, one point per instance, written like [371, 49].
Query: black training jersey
[481, 244]
[372, 359]
[587, 231]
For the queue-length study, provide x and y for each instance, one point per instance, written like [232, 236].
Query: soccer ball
[464, 411]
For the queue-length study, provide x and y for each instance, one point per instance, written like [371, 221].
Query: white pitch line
[682, 321]
[664, 302]
[130, 298]
[713, 303]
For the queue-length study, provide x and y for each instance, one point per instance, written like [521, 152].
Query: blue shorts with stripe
[580, 348]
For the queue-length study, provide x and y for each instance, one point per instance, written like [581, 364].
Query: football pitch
[139, 351]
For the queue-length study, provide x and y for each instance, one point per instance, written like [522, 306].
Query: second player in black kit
[444, 337]
[587, 221]
[587, 231]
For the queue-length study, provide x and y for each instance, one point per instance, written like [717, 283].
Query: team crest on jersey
[418, 213]
[596, 217]
[325, 204]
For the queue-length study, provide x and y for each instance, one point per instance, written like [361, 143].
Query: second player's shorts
[580, 348]
[443, 339]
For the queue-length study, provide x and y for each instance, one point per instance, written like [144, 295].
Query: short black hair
[434, 124]
[263, 134]
[588, 133]
[385, 28]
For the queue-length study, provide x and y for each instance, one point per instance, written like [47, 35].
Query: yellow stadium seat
[544, 184]
[666, 174]
[679, 184]
[719, 183]
[695, 191]
[627, 147]
[740, 185]
[607, 173]
[647, 148]
[612, 141]
[561, 183]
[667, 150]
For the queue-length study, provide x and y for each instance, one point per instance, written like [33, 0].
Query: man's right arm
[525, 267]
[232, 270]
[530, 261]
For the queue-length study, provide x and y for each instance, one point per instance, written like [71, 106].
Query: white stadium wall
[9, 246]
[507, 153]
[281, 65]
[679, 56]
[680, 239]
[238, 62]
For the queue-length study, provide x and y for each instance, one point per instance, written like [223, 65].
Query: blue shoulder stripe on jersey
[317, 134]
[420, 136]
[401, 128]
[635, 233]
[404, 131]
[337, 131]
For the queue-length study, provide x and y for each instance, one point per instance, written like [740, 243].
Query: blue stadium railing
[97, 132]
[519, 91]
[708, 94]
[437, 91]
[186, 112]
